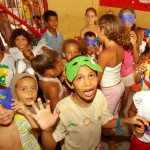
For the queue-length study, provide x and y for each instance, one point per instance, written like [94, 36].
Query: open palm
[44, 116]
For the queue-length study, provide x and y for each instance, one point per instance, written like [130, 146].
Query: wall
[72, 19]
[71, 14]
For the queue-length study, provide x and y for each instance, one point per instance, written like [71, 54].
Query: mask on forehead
[127, 18]
[91, 42]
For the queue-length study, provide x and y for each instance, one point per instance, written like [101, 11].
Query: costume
[81, 127]
[7, 70]
[127, 68]
[54, 42]
[142, 103]
[28, 141]
[61, 91]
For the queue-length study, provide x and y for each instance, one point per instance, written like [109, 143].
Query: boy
[92, 47]
[82, 114]
[15, 130]
[53, 37]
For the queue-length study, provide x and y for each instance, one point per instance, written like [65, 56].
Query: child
[113, 36]
[91, 18]
[15, 128]
[38, 25]
[71, 48]
[7, 69]
[82, 114]
[92, 47]
[140, 106]
[53, 37]
[20, 39]
[127, 16]
[48, 66]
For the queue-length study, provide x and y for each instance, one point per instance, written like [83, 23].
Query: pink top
[127, 65]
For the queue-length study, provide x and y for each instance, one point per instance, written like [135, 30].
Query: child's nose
[87, 82]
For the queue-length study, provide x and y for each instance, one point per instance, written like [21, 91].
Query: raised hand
[44, 116]
[133, 37]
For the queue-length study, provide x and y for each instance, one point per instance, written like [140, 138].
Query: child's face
[71, 51]
[6, 116]
[129, 21]
[37, 21]
[85, 85]
[21, 42]
[91, 17]
[26, 90]
[52, 22]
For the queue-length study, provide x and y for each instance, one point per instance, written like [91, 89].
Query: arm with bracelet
[119, 122]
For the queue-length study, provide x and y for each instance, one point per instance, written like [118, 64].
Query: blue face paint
[127, 18]
[91, 42]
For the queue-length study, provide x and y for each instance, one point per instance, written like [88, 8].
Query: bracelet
[118, 124]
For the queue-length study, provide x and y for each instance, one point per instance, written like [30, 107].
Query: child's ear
[64, 55]
[70, 85]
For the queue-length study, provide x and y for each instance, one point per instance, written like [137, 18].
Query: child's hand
[139, 129]
[142, 68]
[20, 107]
[44, 116]
[133, 37]
[99, 49]
[138, 120]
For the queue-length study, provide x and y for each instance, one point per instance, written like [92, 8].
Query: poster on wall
[142, 5]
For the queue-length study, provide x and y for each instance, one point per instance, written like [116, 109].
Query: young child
[140, 106]
[53, 37]
[93, 49]
[20, 39]
[15, 126]
[127, 16]
[91, 18]
[82, 114]
[113, 36]
[48, 67]
[71, 48]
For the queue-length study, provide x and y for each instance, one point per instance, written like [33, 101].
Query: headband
[73, 66]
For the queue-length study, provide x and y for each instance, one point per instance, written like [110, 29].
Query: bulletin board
[135, 4]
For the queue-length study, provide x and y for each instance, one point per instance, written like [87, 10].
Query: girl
[20, 40]
[48, 66]
[91, 18]
[127, 16]
[113, 36]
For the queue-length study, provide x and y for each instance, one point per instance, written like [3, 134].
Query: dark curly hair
[18, 32]
[114, 30]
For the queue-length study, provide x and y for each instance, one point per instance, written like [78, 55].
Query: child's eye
[24, 89]
[34, 89]
[91, 76]
[79, 78]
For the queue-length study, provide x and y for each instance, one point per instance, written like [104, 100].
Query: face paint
[127, 18]
[91, 42]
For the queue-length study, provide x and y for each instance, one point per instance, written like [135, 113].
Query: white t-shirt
[7, 73]
[79, 126]
[142, 104]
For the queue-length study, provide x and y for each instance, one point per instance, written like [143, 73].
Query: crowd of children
[84, 83]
